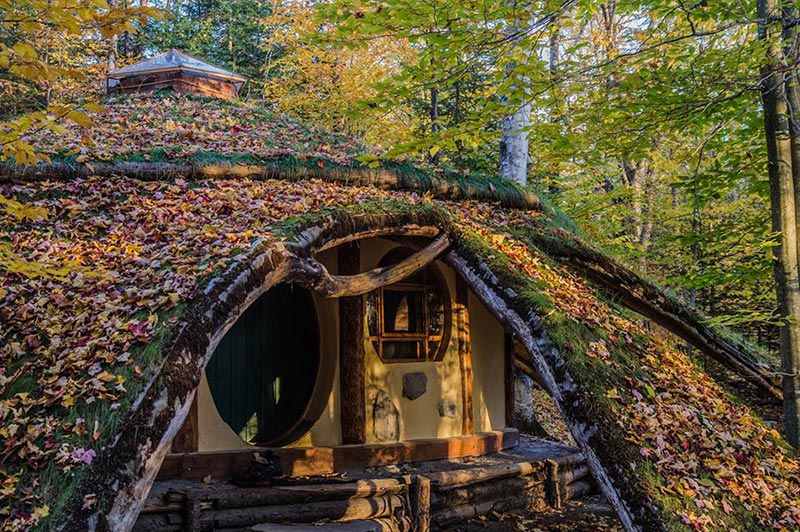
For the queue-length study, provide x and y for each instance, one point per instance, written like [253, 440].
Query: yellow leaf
[22, 211]
[434, 150]
[25, 51]
[40, 512]
[612, 394]
[80, 118]
[96, 107]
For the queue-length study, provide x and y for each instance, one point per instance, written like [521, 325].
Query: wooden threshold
[309, 461]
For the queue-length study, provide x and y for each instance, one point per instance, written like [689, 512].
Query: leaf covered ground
[177, 127]
[591, 514]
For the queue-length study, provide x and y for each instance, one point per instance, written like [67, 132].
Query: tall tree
[779, 137]
[514, 141]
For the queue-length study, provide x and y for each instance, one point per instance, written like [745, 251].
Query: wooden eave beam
[352, 369]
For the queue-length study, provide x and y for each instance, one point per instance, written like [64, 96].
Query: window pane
[372, 313]
[403, 311]
[435, 313]
[393, 350]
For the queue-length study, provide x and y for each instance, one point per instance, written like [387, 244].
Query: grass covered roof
[112, 286]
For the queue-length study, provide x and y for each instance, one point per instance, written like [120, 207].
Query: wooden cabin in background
[176, 70]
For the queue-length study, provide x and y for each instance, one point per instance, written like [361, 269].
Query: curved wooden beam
[317, 239]
[309, 272]
[429, 231]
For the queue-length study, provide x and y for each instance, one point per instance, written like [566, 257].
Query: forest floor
[590, 514]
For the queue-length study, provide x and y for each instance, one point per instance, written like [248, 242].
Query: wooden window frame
[432, 279]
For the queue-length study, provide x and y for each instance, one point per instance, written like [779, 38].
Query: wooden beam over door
[464, 355]
[352, 369]
[185, 440]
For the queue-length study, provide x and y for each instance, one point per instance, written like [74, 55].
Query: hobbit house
[236, 340]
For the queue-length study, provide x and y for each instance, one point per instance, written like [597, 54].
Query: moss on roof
[168, 135]
[102, 279]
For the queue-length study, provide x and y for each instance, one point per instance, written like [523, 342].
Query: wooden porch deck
[535, 475]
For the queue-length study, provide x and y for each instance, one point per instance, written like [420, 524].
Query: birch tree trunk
[514, 145]
[784, 221]
[514, 142]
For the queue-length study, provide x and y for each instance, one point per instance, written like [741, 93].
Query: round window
[410, 321]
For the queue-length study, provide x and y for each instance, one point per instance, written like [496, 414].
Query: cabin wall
[179, 82]
[391, 417]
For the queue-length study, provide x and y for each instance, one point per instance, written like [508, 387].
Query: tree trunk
[514, 145]
[784, 222]
[112, 43]
[554, 49]
[352, 372]
[514, 141]
[790, 38]
[434, 115]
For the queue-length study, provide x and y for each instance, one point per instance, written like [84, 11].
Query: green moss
[23, 384]
[209, 157]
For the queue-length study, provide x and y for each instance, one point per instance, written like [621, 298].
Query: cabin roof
[175, 60]
[113, 286]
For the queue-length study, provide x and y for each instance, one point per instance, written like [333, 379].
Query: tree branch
[309, 272]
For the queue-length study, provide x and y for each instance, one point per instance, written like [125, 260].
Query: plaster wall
[418, 418]
[488, 367]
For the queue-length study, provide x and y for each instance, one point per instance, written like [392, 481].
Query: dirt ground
[591, 514]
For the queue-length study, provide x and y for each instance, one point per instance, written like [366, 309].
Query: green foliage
[646, 127]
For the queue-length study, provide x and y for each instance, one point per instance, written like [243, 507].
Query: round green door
[263, 373]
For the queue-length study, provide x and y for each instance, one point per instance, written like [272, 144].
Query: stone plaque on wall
[414, 385]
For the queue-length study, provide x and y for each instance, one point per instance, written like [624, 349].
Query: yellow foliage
[58, 49]
[21, 211]
[311, 77]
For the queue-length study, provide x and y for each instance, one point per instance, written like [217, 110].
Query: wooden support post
[553, 486]
[464, 355]
[192, 513]
[352, 371]
[420, 501]
[185, 440]
[509, 381]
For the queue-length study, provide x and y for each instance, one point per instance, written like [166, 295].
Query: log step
[363, 525]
